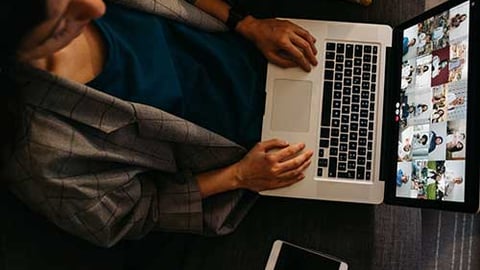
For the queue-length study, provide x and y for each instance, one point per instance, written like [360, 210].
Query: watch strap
[235, 15]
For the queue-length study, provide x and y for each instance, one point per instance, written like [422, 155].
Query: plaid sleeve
[97, 188]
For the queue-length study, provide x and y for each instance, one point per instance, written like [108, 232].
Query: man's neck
[81, 60]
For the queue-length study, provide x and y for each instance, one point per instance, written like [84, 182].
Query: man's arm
[282, 42]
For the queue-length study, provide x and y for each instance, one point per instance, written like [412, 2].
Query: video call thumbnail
[432, 108]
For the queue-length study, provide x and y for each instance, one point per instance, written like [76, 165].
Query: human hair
[456, 147]
[17, 18]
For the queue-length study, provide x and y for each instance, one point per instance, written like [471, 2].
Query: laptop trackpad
[291, 105]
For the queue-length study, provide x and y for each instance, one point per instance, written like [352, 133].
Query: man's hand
[263, 169]
[282, 42]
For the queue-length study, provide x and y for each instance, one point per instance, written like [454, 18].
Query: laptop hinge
[388, 154]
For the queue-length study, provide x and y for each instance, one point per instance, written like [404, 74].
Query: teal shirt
[216, 80]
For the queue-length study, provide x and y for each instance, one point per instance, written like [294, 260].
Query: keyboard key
[322, 162]
[340, 48]
[361, 161]
[327, 103]
[328, 75]
[335, 122]
[333, 142]
[324, 143]
[348, 72]
[356, 89]
[329, 55]
[355, 108]
[357, 71]
[324, 132]
[352, 146]
[360, 173]
[358, 50]
[332, 167]
[353, 126]
[347, 82]
[336, 104]
[348, 63]
[351, 165]
[330, 46]
[349, 51]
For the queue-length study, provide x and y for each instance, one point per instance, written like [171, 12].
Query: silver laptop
[338, 109]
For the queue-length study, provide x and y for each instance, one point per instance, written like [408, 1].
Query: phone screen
[293, 258]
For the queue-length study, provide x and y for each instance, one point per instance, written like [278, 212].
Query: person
[420, 108]
[408, 43]
[401, 178]
[422, 69]
[438, 115]
[438, 66]
[435, 140]
[133, 117]
[406, 81]
[455, 101]
[448, 182]
[404, 150]
[454, 146]
[456, 20]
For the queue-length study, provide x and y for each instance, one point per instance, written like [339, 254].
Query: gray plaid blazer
[105, 169]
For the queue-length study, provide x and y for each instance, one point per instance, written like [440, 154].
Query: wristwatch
[235, 15]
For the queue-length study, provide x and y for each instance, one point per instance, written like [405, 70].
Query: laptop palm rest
[291, 105]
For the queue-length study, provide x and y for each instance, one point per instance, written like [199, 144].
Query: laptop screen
[432, 110]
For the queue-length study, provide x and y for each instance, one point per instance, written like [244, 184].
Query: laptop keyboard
[348, 112]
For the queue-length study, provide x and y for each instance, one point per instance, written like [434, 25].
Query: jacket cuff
[180, 205]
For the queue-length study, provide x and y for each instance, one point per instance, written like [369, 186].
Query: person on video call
[144, 115]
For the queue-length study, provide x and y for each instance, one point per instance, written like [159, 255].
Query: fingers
[289, 162]
[288, 152]
[308, 37]
[306, 47]
[297, 55]
[272, 144]
[296, 164]
[281, 61]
